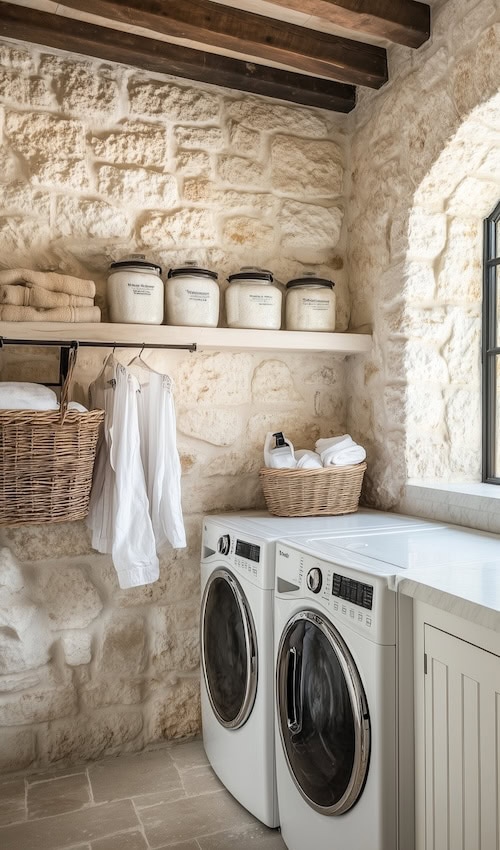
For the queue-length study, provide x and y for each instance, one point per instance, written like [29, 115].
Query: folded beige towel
[10, 313]
[35, 296]
[48, 280]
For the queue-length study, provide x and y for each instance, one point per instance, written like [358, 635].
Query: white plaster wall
[97, 161]
[424, 156]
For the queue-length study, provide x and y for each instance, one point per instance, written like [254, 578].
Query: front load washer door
[228, 649]
[322, 714]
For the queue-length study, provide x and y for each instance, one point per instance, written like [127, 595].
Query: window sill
[472, 504]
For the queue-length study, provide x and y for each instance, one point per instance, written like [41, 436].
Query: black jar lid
[252, 274]
[312, 281]
[135, 263]
[195, 270]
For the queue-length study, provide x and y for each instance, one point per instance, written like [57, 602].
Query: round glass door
[323, 714]
[228, 649]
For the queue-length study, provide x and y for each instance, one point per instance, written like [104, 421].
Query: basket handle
[72, 355]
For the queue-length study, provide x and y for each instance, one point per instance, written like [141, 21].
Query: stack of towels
[31, 296]
[16, 395]
[333, 451]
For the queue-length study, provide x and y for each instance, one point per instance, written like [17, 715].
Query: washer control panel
[354, 596]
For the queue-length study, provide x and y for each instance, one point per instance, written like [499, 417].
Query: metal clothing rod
[89, 344]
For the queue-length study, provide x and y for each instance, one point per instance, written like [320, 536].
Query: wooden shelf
[204, 338]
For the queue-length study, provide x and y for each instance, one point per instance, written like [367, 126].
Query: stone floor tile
[184, 845]
[60, 831]
[191, 817]
[55, 773]
[58, 795]
[12, 801]
[124, 841]
[188, 754]
[129, 776]
[200, 780]
[166, 796]
[256, 836]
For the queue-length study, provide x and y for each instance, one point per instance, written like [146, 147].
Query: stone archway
[425, 172]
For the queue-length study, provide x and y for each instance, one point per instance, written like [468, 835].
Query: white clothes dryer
[236, 635]
[343, 771]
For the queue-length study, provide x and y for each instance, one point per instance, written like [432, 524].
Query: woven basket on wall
[46, 461]
[312, 492]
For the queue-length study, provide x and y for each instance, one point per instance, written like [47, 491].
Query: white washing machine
[236, 633]
[344, 774]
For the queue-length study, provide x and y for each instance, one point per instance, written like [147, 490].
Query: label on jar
[198, 295]
[141, 288]
[263, 300]
[316, 303]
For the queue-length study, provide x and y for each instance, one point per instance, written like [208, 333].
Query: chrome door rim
[359, 707]
[250, 645]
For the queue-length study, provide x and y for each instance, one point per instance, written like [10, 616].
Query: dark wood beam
[161, 57]
[401, 21]
[227, 28]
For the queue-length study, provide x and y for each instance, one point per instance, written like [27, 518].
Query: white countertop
[470, 591]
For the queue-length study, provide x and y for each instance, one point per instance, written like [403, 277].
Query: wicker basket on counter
[46, 461]
[328, 491]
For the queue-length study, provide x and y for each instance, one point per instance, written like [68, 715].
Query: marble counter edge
[466, 609]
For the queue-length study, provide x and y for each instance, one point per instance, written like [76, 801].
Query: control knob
[314, 580]
[224, 544]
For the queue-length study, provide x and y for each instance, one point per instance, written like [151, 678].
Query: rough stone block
[309, 227]
[183, 227]
[17, 89]
[241, 172]
[19, 199]
[174, 711]
[172, 102]
[90, 737]
[77, 646]
[273, 381]
[247, 142]
[206, 138]
[124, 646]
[39, 136]
[134, 144]
[192, 162]
[82, 87]
[306, 168]
[175, 641]
[216, 426]
[111, 691]
[248, 232]
[17, 749]
[137, 186]
[70, 598]
[33, 542]
[17, 57]
[271, 117]
[94, 219]
[222, 378]
[426, 235]
[38, 706]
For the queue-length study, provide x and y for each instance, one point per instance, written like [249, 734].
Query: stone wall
[425, 156]
[97, 161]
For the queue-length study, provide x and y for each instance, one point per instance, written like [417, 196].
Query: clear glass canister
[192, 297]
[310, 304]
[253, 300]
[135, 291]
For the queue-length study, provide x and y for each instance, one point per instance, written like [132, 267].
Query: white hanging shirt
[135, 503]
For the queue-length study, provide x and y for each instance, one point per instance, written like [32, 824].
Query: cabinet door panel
[462, 739]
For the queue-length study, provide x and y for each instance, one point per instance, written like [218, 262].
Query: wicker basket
[46, 461]
[312, 492]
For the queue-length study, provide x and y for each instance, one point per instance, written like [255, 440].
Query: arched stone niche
[426, 171]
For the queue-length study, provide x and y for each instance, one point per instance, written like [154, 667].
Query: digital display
[353, 591]
[247, 550]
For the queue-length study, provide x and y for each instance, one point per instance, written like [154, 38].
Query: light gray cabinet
[457, 691]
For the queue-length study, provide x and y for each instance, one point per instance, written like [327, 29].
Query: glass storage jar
[192, 297]
[253, 300]
[135, 291]
[310, 304]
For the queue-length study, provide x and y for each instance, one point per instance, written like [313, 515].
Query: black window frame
[490, 344]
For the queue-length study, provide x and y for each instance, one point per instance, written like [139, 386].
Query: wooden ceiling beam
[77, 36]
[260, 37]
[400, 21]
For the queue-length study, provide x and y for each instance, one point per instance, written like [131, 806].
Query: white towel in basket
[16, 395]
[340, 451]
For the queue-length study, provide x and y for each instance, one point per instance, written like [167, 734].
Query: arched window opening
[491, 349]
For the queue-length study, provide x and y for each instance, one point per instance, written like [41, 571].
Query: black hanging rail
[65, 347]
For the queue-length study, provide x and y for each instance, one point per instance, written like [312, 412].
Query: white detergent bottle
[278, 452]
